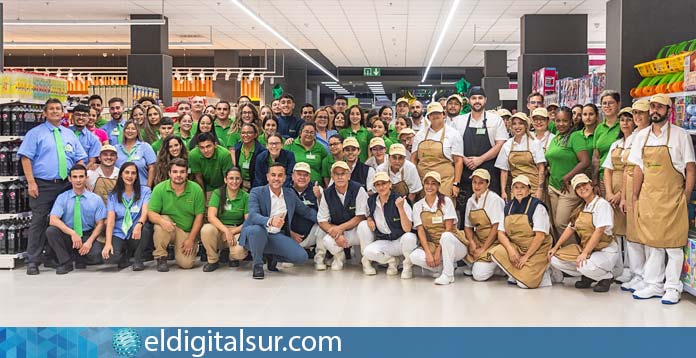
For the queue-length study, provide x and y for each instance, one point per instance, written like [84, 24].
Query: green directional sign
[372, 71]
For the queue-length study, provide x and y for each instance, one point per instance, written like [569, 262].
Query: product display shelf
[690, 290]
[8, 261]
[671, 95]
[4, 101]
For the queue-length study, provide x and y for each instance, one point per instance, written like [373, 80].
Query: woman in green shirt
[227, 209]
[308, 150]
[606, 133]
[247, 115]
[270, 126]
[566, 156]
[151, 124]
[590, 120]
[379, 130]
[357, 130]
[172, 147]
[399, 124]
[245, 152]
[185, 130]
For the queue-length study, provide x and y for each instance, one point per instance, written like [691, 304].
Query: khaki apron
[434, 231]
[431, 157]
[401, 187]
[521, 236]
[103, 186]
[616, 186]
[661, 213]
[631, 234]
[584, 228]
[482, 229]
[522, 163]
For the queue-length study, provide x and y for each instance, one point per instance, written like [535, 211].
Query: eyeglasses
[536, 103]
[80, 114]
[309, 132]
[607, 104]
[334, 144]
[274, 144]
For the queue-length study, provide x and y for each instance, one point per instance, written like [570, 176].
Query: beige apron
[103, 186]
[616, 186]
[482, 229]
[662, 219]
[435, 230]
[431, 157]
[584, 228]
[522, 163]
[401, 187]
[521, 236]
[631, 234]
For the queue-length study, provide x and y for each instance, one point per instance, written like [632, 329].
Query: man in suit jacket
[267, 228]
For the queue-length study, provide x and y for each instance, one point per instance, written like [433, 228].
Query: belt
[54, 181]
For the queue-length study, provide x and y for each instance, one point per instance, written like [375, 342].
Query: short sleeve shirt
[182, 209]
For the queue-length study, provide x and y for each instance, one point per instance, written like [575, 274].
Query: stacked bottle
[13, 236]
[14, 197]
[18, 119]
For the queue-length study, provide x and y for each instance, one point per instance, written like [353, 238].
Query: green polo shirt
[552, 127]
[363, 136]
[186, 140]
[262, 139]
[194, 129]
[157, 145]
[233, 211]
[181, 209]
[245, 162]
[393, 135]
[223, 134]
[314, 156]
[604, 137]
[213, 169]
[562, 157]
[326, 166]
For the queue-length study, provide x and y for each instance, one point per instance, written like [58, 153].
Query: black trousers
[61, 244]
[41, 208]
[125, 249]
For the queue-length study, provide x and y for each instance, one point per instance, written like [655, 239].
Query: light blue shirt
[117, 207]
[90, 142]
[142, 156]
[92, 209]
[112, 130]
[39, 146]
[325, 143]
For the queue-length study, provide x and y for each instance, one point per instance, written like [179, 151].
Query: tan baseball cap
[402, 99]
[434, 107]
[541, 112]
[504, 112]
[554, 104]
[641, 105]
[340, 164]
[397, 149]
[661, 98]
[108, 148]
[522, 116]
[579, 179]
[521, 179]
[481, 173]
[351, 142]
[628, 110]
[434, 175]
[406, 131]
[375, 142]
[455, 96]
[302, 166]
[380, 176]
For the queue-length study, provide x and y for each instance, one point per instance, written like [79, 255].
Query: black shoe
[32, 269]
[584, 282]
[170, 253]
[602, 286]
[162, 265]
[80, 265]
[224, 256]
[203, 254]
[272, 263]
[49, 263]
[63, 269]
[348, 254]
[123, 264]
[258, 273]
[210, 267]
[233, 263]
[138, 265]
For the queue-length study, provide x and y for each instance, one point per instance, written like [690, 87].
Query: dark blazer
[258, 149]
[286, 157]
[260, 210]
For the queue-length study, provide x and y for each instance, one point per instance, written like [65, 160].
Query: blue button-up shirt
[117, 207]
[92, 209]
[90, 142]
[39, 146]
[112, 130]
[325, 143]
[142, 156]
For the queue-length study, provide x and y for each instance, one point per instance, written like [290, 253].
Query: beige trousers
[214, 241]
[162, 239]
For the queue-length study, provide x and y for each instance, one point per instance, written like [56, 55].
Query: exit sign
[372, 71]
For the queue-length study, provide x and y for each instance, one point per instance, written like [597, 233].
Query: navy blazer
[258, 149]
[286, 157]
[260, 210]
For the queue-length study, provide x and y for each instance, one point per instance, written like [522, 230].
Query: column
[637, 30]
[149, 64]
[495, 76]
[2, 46]
[226, 90]
[558, 41]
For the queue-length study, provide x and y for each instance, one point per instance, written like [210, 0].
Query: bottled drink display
[13, 236]
[18, 119]
[14, 197]
[10, 164]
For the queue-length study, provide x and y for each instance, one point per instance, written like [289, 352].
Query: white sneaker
[444, 280]
[338, 260]
[639, 286]
[631, 285]
[435, 274]
[286, 264]
[556, 276]
[511, 281]
[647, 292]
[625, 276]
[367, 267]
[320, 266]
[393, 268]
[671, 297]
[467, 270]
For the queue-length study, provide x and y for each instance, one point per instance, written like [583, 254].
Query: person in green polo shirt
[209, 162]
[590, 119]
[357, 130]
[176, 210]
[308, 150]
[186, 129]
[227, 210]
[165, 129]
[223, 123]
[335, 154]
[606, 133]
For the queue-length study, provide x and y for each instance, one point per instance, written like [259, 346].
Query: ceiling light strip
[104, 22]
[453, 9]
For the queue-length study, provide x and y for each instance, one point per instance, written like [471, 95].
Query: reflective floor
[299, 296]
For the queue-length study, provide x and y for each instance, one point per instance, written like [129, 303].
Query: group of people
[531, 197]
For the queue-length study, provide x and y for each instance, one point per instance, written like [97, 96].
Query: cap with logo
[627, 110]
[432, 174]
[402, 100]
[481, 173]
[351, 142]
[302, 166]
[406, 131]
[521, 179]
[541, 112]
[376, 141]
[455, 96]
[108, 148]
[504, 112]
[662, 99]
[380, 176]
[340, 164]
[641, 105]
[397, 149]
[434, 107]
[579, 179]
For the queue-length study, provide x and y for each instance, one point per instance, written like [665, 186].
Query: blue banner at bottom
[350, 342]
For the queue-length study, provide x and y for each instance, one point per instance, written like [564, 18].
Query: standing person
[379, 130]
[96, 102]
[247, 115]
[359, 172]
[90, 143]
[265, 112]
[166, 128]
[274, 153]
[406, 139]
[172, 147]
[176, 210]
[507, 119]
[540, 122]
[401, 108]
[439, 148]
[76, 220]
[402, 173]
[521, 155]
[103, 178]
[114, 127]
[272, 209]
[307, 113]
[567, 155]
[453, 110]
[635, 248]
[270, 126]
[418, 122]
[399, 124]
[46, 153]
[183, 107]
[137, 114]
[92, 126]
[208, 164]
[594, 258]
[306, 149]
[339, 122]
[388, 223]
[663, 180]
[289, 126]
[606, 133]
[524, 238]
[356, 129]
[342, 208]
[552, 110]
[577, 117]
[205, 125]
[340, 103]
[385, 113]
[197, 107]
[140, 153]
[321, 122]
[228, 208]
[125, 220]
[209, 110]
[335, 154]
[223, 123]
[275, 107]
[150, 131]
[185, 130]
[245, 153]
[378, 153]
[590, 120]
[534, 100]
[307, 232]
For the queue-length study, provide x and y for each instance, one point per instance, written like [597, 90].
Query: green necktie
[130, 153]
[77, 216]
[120, 133]
[60, 148]
[78, 133]
[127, 219]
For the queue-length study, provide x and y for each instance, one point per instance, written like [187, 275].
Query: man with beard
[664, 177]
[418, 122]
[307, 113]
[453, 108]
[340, 104]
[102, 180]
[114, 127]
[275, 107]
[90, 142]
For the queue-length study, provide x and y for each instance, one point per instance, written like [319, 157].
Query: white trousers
[598, 267]
[381, 251]
[418, 255]
[656, 272]
[315, 237]
[353, 238]
[452, 251]
[482, 271]
[636, 258]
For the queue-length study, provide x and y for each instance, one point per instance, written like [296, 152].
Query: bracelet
[140, 222]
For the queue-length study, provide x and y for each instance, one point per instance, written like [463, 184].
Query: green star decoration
[277, 91]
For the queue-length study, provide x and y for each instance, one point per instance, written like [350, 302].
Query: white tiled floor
[301, 297]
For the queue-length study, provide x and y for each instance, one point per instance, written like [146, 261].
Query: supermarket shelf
[8, 261]
[10, 138]
[15, 216]
[20, 101]
[690, 290]
[671, 95]
[8, 179]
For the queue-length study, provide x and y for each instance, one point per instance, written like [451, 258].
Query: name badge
[228, 207]
[245, 165]
[68, 147]
[307, 202]
[480, 131]
[437, 219]
[115, 131]
[311, 156]
[135, 157]
[135, 209]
